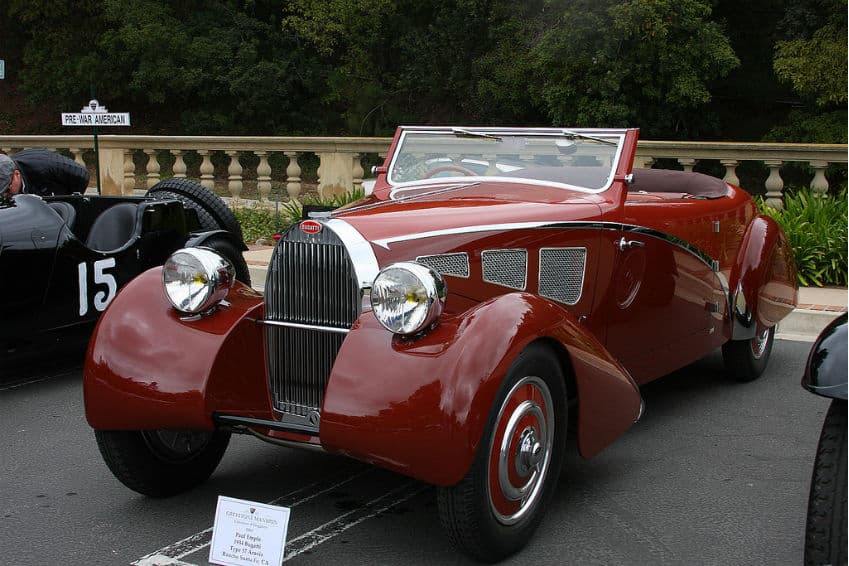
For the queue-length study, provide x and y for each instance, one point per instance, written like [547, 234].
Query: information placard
[248, 534]
[96, 119]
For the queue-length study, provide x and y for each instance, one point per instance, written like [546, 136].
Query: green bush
[816, 227]
[261, 223]
[292, 211]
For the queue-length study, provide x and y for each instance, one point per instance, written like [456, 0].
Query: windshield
[583, 159]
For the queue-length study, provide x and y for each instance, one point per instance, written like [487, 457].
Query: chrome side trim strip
[304, 326]
[384, 243]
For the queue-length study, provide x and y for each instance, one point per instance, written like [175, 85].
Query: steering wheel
[441, 168]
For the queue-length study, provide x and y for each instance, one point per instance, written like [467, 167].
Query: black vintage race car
[826, 375]
[63, 258]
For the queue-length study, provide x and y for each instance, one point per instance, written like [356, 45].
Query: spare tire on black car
[212, 212]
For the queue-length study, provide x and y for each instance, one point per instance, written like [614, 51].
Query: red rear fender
[763, 283]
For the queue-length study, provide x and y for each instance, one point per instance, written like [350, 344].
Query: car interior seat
[66, 212]
[113, 228]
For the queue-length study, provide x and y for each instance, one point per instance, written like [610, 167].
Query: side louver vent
[456, 265]
[561, 274]
[508, 268]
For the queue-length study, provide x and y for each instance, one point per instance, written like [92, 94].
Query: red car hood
[471, 207]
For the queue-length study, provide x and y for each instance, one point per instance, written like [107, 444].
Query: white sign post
[248, 534]
[94, 115]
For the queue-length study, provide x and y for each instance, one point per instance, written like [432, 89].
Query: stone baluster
[774, 184]
[357, 172]
[263, 176]
[730, 171]
[152, 167]
[78, 155]
[129, 183]
[179, 167]
[819, 184]
[234, 171]
[207, 170]
[293, 176]
[643, 162]
[687, 163]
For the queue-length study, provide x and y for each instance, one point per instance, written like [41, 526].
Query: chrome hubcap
[520, 451]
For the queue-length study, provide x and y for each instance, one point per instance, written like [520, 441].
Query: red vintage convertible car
[500, 286]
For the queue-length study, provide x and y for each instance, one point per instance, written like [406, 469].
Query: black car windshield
[585, 159]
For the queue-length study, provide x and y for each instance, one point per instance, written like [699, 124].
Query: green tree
[643, 62]
[813, 60]
[190, 67]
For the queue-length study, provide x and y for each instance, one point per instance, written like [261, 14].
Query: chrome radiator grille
[311, 284]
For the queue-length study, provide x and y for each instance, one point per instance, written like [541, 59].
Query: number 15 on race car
[101, 299]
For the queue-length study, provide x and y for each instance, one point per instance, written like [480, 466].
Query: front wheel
[160, 463]
[497, 506]
[825, 535]
[746, 360]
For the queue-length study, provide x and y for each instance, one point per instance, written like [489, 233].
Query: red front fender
[147, 369]
[420, 406]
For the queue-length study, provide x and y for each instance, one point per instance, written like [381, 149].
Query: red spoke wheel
[495, 509]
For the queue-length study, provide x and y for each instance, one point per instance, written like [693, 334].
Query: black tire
[225, 248]
[825, 535]
[152, 463]
[213, 213]
[746, 360]
[479, 514]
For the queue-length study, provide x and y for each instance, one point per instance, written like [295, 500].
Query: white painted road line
[173, 553]
[337, 526]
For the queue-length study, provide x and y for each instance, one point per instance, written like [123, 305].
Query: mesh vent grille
[561, 274]
[447, 264]
[508, 268]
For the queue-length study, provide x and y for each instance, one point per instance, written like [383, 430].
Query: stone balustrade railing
[340, 159]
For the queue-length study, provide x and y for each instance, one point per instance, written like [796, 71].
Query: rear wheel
[213, 213]
[497, 506]
[160, 463]
[746, 360]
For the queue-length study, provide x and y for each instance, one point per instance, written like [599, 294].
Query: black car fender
[825, 372]
[198, 239]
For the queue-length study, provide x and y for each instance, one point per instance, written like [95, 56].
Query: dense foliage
[816, 227]
[676, 68]
[261, 222]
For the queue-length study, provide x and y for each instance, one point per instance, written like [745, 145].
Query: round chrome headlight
[407, 297]
[196, 279]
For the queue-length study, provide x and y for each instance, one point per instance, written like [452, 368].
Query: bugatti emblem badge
[310, 227]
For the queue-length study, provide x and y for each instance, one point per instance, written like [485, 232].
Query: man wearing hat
[41, 172]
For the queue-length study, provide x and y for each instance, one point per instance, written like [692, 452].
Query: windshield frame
[616, 136]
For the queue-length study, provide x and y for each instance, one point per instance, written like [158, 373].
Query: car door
[657, 308]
